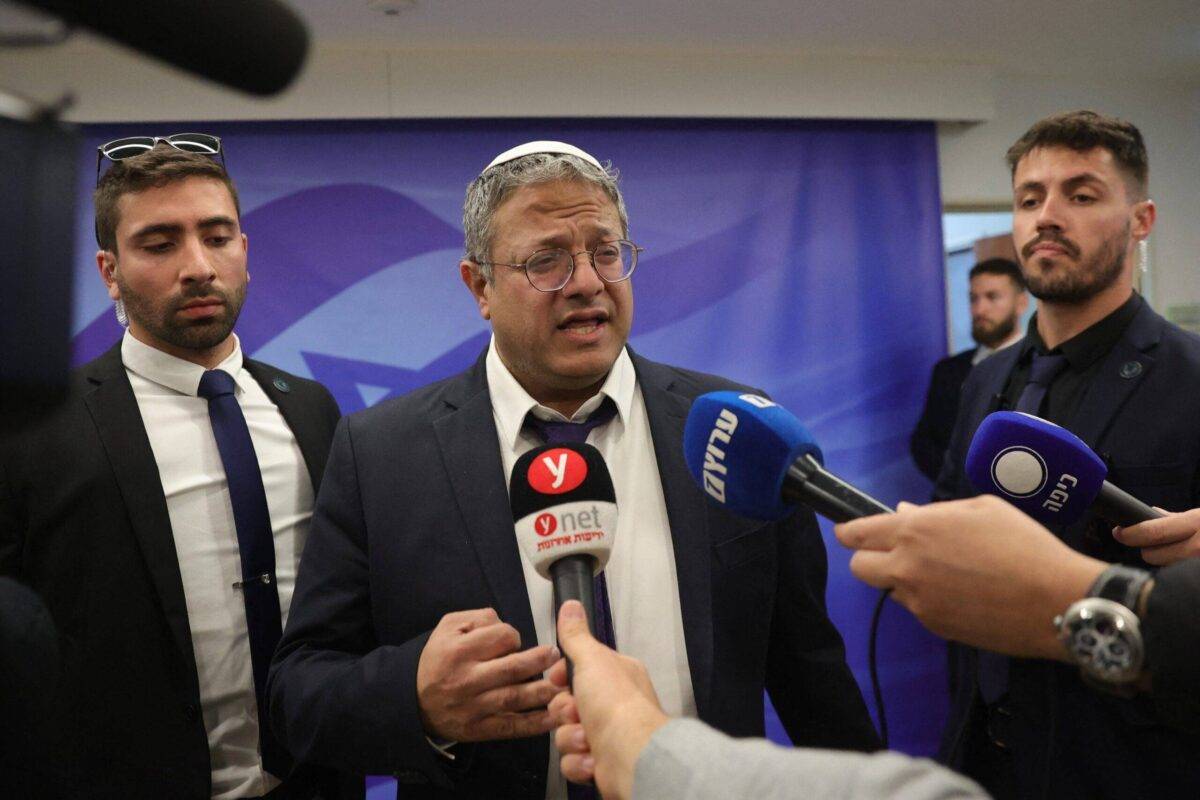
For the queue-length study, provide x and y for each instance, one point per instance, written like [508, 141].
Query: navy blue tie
[993, 667]
[256, 545]
[552, 432]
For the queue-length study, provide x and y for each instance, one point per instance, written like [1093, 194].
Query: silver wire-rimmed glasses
[550, 270]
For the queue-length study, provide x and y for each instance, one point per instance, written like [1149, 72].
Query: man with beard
[1099, 361]
[998, 300]
[160, 515]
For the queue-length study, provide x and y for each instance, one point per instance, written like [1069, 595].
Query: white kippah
[542, 147]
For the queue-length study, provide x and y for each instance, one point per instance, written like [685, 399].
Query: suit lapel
[471, 452]
[687, 515]
[118, 421]
[1124, 368]
[295, 414]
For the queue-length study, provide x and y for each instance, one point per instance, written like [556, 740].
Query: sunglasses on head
[130, 146]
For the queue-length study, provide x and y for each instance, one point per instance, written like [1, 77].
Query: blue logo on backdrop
[803, 258]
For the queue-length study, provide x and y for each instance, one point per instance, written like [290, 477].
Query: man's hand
[977, 571]
[610, 716]
[1165, 540]
[473, 683]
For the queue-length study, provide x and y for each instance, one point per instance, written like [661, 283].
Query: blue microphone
[755, 458]
[1047, 472]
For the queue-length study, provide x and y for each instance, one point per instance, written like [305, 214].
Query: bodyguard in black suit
[1125, 381]
[413, 643]
[998, 300]
[86, 521]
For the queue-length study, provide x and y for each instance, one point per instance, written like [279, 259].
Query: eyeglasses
[121, 149]
[550, 270]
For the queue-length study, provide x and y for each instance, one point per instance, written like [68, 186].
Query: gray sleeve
[687, 760]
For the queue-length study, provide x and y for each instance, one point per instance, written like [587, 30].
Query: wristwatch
[1102, 633]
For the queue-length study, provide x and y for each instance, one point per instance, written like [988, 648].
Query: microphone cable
[874, 667]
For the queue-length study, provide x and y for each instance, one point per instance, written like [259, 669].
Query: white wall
[981, 111]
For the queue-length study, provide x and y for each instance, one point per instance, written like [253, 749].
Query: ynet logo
[557, 471]
[545, 524]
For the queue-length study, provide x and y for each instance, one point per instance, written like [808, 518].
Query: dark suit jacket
[931, 437]
[1070, 740]
[84, 522]
[413, 522]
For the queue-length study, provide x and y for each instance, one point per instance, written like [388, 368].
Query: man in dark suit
[162, 521]
[420, 633]
[998, 301]
[1099, 361]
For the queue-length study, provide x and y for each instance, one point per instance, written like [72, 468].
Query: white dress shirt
[983, 351]
[197, 496]
[643, 587]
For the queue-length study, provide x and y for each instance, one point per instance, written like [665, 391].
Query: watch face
[1103, 638]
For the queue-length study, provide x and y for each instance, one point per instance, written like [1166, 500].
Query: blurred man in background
[998, 301]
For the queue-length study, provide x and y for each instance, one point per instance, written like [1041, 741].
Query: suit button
[191, 712]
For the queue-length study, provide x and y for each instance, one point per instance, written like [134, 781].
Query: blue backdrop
[804, 257]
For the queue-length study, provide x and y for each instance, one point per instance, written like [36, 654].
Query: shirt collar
[1088, 346]
[171, 372]
[511, 403]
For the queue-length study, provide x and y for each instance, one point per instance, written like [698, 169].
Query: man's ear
[477, 284]
[1144, 215]
[106, 262]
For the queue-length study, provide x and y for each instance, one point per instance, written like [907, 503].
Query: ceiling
[1153, 38]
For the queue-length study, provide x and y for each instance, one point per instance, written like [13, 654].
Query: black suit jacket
[1070, 740]
[83, 521]
[413, 522]
[931, 437]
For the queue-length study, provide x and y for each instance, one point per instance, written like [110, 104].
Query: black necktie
[993, 667]
[552, 432]
[256, 546]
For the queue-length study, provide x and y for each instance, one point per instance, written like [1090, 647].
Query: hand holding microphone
[565, 513]
[1165, 540]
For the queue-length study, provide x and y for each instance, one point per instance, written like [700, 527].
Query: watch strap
[1121, 584]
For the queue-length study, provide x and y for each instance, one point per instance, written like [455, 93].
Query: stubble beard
[1088, 279]
[994, 335]
[160, 320]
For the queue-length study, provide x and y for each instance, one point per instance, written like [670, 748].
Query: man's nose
[197, 264]
[585, 280]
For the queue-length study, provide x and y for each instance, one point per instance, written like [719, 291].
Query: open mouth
[584, 323]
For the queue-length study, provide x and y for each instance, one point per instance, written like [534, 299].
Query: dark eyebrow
[167, 228]
[1073, 182]
[1076, 181]
[174, 229]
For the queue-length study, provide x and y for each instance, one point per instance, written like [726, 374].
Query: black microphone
[755, 458]
[257, 46]
[565, 513]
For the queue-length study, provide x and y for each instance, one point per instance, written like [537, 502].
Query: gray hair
[489, 190]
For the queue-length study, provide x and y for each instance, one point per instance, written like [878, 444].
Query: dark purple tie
[552, 432]
[993, 667]
[256, 546]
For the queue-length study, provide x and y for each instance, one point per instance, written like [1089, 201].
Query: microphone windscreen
[738, 448]
[257, 46]
[1041, 468]
[563, 504]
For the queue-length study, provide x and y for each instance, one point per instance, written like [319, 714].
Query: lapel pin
[1131, 369]
[285, 387]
